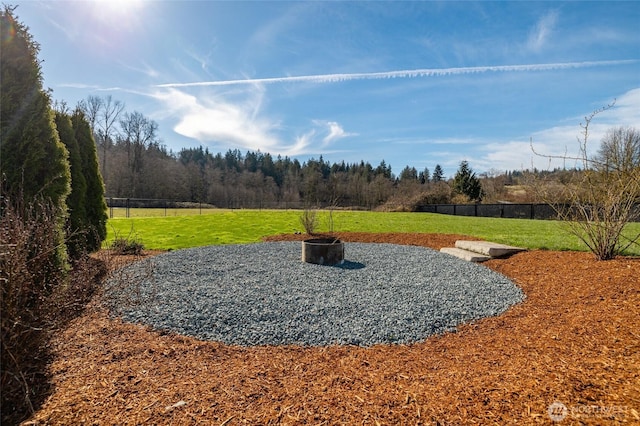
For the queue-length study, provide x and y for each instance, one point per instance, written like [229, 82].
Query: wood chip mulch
[574, 340]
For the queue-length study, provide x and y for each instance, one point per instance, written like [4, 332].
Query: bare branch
[597, 202]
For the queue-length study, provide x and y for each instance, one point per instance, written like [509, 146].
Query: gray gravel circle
[263, 294]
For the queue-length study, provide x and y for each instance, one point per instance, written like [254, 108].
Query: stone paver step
[465, 254]
[488, 248]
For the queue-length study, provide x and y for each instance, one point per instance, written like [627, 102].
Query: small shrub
[125, 246]
[129, 245]
[309, 220]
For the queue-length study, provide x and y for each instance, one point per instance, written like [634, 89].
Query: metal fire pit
[323, 251]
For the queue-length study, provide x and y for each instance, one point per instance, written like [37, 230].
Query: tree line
[135, 164]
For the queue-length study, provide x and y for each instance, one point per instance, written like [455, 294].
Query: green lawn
[247, 226]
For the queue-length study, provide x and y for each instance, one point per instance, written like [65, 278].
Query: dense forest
[135, 164]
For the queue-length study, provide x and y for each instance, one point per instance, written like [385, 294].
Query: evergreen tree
[409, 174]
[465, 182]
[33, 161]
[424, 176]
[34, 184]
[76, 199]
[95, 221]
[438, 174]
[383, 169]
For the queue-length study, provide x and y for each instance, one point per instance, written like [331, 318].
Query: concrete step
[488, 248]
[465, 254]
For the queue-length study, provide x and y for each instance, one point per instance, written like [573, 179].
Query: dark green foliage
[38, 292]
[465, 182]
[95, 208]
[33, 161]
[34, 183]
[76, 199]
[438, 174]
[424, 176]
[409, 174]
[384, 170]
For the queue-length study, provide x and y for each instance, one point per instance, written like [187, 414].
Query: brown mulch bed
[575, 339]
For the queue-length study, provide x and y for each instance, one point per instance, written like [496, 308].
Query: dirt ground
[575, 340]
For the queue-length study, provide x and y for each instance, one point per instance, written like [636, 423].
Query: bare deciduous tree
[138, 133]
[598, 201]
[620, 150]
[111, 110]
[91, 108]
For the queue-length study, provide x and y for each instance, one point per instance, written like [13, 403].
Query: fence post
[127, 208]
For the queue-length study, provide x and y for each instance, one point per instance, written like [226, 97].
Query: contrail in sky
[425, 72]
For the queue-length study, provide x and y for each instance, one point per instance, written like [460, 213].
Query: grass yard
[248, 226]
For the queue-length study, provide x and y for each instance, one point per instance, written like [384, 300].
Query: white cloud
[144, 69]
[520, 155]
[214, 118]
[417, 73]
[625, 112]
[423, 140]
[540, 34]
[321, 136]
[452, 141]
[302, 145]
[83, 86]
[333, 130]
[554, 143]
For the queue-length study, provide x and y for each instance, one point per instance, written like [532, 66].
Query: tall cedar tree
[34, 184]
[95, 225]
[465, 182]
[76, 199]
[33, 162]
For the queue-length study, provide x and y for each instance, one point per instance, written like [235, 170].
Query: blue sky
[413, 83]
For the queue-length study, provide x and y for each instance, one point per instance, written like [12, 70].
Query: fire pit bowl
[323, 251]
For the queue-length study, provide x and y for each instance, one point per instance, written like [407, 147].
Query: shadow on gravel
[347, 264]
